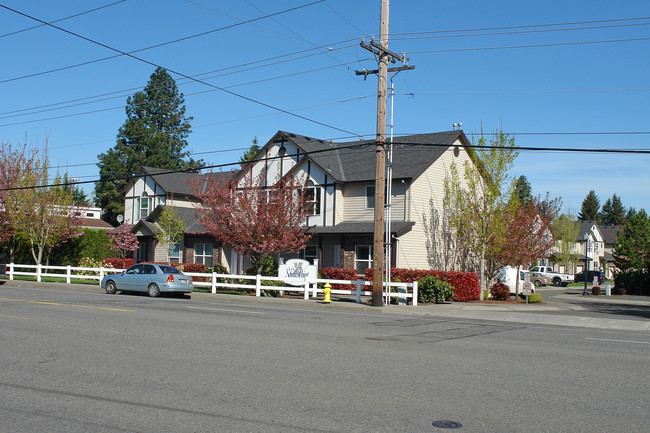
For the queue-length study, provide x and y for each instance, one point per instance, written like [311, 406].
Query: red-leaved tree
[528, 233]
[254, 220]
[123, 241]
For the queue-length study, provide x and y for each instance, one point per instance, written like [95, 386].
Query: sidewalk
[561, 309]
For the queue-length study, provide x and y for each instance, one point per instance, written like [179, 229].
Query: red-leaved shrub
[340, 274]
[466, 284]
[117, 263]
[500, 291]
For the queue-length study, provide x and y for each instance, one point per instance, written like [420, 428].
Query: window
[175, 253]
[370, 197]
[363, 258]
[146, 203]
[313, 198]
[310, 253]
[203, 254]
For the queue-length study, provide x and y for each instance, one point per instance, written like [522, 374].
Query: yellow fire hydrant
[327, 290]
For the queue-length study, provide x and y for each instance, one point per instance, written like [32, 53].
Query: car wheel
[153, 291]
[538, 283]
[111, 288]
[557, 282]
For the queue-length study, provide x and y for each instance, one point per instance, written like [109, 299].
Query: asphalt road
[86, 361]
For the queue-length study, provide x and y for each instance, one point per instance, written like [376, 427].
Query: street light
[584, 292]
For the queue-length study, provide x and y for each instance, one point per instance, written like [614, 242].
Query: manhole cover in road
[447, 424]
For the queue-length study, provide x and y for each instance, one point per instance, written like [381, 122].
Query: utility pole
[381, 50]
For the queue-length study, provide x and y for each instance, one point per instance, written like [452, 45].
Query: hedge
[466, 284]
[340, 274]
[117, 263]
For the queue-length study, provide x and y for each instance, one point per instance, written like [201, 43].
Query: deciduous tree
[254, 220]
[123, 241]
[171, 230]
[154, 134]
[565, 230]
[528, 233]
[480, 214]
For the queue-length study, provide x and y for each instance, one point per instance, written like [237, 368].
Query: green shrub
[535, 298]
[432, 288]
[500, 291]
[88, 262]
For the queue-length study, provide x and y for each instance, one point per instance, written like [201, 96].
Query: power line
[162, 44]
[360, 145]
[63, 116]
[246, 98]
[63, 19]
[556, 44]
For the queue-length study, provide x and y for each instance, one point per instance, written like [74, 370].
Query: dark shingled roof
[397, 227]
[176, 182]
[191, 223]
[356, 161]
[610, 233]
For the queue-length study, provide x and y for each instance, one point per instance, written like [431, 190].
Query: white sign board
[528, 289]
[296, 272]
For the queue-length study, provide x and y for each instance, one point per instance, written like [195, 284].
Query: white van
[507, 275]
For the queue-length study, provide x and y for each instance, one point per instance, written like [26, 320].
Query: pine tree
[613, 212]
[251, 152]
[632, 245]
[523, 190]
[154, 134]
[590, 207]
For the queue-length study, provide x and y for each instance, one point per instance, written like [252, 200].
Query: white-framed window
[362, 258]
[203, 253]
[145, 204]
[313, 198]
[370, 197]
[175, 253]
[310, 253]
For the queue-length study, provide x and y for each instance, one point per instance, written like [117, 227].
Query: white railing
[404, 291]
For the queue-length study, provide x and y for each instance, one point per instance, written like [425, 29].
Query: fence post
[67, 274]
[214, 282]
[306, 288]
[38, 272]
[415, 293]
[359, 291]
[101, 274]
[258, 285]
[11, 271]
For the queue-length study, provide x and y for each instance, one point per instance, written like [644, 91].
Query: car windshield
[169, 270]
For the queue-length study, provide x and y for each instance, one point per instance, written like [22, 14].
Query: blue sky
[507, 65]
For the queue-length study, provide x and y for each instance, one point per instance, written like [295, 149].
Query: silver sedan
[151, 278]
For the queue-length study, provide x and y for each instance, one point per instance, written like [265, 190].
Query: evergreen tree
[613, 212]
[590, 207]
[632, 245]
[250, 153]
[523, 190]
[630, 213]
[154, 134]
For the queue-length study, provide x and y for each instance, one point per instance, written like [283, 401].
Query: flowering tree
[528, 233]
[42, 214]
[123, 241]
[254, 220]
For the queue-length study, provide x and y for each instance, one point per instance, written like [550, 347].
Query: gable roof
[173, 181]
[191, 222]
[610, 233]
[356, 160]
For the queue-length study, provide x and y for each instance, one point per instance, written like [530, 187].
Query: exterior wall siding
[411, 247]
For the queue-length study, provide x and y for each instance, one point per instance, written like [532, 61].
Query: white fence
[404, 291]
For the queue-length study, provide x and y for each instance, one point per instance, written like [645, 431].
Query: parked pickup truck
[555, 278]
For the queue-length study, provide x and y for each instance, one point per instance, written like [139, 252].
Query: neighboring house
[609, 237]
[595, 245]
[340, 178]
[146, 196]
[92, 219]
